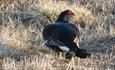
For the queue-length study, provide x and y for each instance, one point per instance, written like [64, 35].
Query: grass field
[22, 22]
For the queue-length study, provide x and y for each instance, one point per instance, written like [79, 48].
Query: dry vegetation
[21, 24]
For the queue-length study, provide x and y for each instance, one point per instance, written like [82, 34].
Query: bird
[60, 36]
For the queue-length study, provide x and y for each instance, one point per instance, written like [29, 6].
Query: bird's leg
[70, 54]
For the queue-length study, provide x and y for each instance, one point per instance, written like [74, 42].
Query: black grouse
[60, 36]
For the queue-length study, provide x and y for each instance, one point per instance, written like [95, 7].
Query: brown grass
[22, 22]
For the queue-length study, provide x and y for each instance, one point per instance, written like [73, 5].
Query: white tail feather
[64, 48]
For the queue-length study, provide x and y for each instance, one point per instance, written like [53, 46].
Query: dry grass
[21, 24]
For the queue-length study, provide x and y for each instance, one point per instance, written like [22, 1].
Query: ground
[21, 43]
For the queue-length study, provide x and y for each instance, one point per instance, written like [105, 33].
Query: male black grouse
[60, 36]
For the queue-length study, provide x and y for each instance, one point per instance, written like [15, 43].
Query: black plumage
[60, 36]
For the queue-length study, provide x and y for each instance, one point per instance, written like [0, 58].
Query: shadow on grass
[100, 45]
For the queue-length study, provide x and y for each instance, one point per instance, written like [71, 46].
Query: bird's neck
[62, 18]
[63, 22]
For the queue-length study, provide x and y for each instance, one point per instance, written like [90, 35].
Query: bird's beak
[73, 14]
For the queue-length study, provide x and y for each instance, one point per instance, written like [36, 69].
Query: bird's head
[65, 16]
[69, 13]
